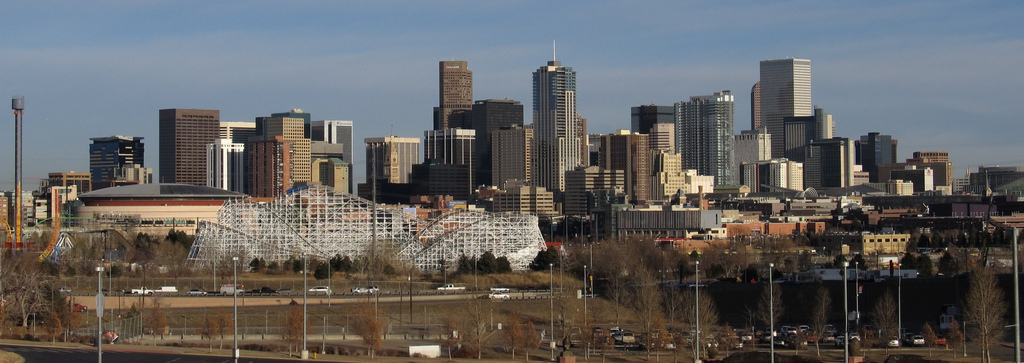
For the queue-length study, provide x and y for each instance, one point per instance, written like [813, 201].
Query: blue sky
[936, 75]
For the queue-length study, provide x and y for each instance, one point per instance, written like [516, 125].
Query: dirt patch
[760, 357]
[908, 358]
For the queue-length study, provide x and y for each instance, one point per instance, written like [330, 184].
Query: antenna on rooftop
[553, 50]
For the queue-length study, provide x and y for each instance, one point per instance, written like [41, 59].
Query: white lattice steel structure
[318, 222]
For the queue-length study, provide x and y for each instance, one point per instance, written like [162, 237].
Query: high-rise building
[489, 116]
[225, 163]
[663, 137]
[390, 159]
[771, 175]
[753, 145]
[644, 118]
[455, 91]
[785, 89]
[667, 177]
[328, 136]
[108, 156]
[292, 129]
[270, 167]
[559, 133]
[629, 153]
[449, 146]
[332, 172]
[184, 134]
[295, 113]
[238, 132]
[803, 130]
[755, 107]
[704, 136]
[875, 149]
[525, 200]
[589, 179]
[829, 164]
[937, 161]
[82, 181]
[510, 160]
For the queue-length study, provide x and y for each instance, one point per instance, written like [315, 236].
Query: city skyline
[918, 71]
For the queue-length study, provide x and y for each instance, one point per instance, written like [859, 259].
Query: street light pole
[846, 314]
[587, 355]
[305, 291]
[856, 292]
[99, 312]
[551, 299]
[771, 311]
[899, 299]
[234, 298]
[696, 308]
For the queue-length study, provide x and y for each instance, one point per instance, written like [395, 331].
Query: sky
[935, 74]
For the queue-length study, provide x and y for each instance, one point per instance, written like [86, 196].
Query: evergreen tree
[466, 265]
[948, 265]
[924, 266]
[503, 266]
[487, 264]
[322, 272]
[544, 259]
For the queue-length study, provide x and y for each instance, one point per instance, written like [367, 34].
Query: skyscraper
[704, 136]
[755, 107]
[511, 158]
[875, 149]
[292, 129]
[785, 90]
[238, 132]
[225, 161]
[829, 163]
[558, 130]
[489, 116]
[455, 91]
[337, 135]
[391, 158]
[108, 156]
[629, 153]
[643, 118]
[800, 131]
[184, 134]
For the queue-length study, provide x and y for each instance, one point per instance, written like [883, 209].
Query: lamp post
[551, 299]
[771, 312]
[856, 293]
[587, 355]
[234, 298]
[305, 291]
[99, 312]
[183, 332]
[696, 307]
[899, 299]
[846, 313]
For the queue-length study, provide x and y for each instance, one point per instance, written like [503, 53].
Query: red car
[940, 341]
[78, 307]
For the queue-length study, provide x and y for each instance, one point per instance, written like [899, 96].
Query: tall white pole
[1016, 300]
[899, 300]
[551, 299]
[305, 291]
[696, 307]
[846, 314]
[771, 311]
[587, 355]
[99, 314]
[234, 269]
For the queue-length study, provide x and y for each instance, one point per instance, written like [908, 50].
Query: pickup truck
[450, 287]
[143, 291]
[167, 289]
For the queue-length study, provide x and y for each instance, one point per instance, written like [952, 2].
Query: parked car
[500, 289]
[196, 292]
[264, 290]
[499, 296]
[78, 307]
[323, 289]
[940, 340]
[65, 290]
[893, 342]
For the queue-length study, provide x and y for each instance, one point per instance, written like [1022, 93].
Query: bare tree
[954, 336]
[450, 327]
[929, 337]
[292, 333]
[224, 325]
[884, 317]
[513, 333]
[369, 326]
[770, 298]
[473, 316]
[210, 328]
[986, 306]
[155, 318]
[819, 314]
[532, 340]
[708, 314]
[645, 301]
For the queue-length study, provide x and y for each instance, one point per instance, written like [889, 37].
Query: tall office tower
[803, 130]
[667, 178]
[558, 143]
[455, 91]
[753, 145]
[594, 145]
[755, 107]
[875, 149]
[772, 175]
[109, 155]
[829, 163]
[785, 92]
[184, 134]
[704, 136]
[629, 153]
[391, 158]
[270, 164]
[294, 113]
[510, 160]
[663, 137]
[489, 116]
[937, 161]
[338, 135]
[292, 130]
[585, 180]
[449, 146]
[225, 165]
[332, 172]
[238, 132]
[644, 118]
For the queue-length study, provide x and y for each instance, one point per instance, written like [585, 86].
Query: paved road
[39, 354]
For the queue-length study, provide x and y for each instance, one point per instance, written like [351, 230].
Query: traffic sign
[99, 305]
